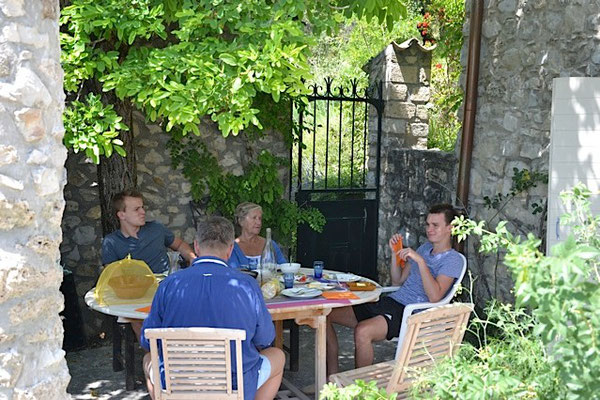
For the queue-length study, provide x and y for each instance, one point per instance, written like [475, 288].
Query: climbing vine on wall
[259, 184]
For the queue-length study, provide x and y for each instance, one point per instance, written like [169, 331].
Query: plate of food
[345, 278]
[301, 293]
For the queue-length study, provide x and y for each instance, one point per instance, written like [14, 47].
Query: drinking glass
[409, 238]
[318, 269]
[288, 280]
[173, 261]
[253, 264]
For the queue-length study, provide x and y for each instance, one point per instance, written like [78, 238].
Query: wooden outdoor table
[311, 312]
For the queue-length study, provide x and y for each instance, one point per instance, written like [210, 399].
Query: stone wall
[525, 45]
[166, 195]
[32, 364]
[411, 182]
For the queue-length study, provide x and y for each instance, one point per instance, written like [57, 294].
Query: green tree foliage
[181, 60]
[342, 55]
[93, 128]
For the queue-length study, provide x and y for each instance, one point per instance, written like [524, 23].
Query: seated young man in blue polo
[427, 276]
[210, 294]
[144, 240]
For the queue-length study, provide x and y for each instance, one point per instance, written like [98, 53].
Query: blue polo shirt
[210, 294]
[150, 246]
[448, 263]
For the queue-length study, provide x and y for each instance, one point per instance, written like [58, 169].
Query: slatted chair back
[431, 335]
[197, 362]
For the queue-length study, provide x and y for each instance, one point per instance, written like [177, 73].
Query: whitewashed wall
[574, 146]
[32, 176]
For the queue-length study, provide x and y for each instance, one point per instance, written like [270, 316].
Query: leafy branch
[522, 181]
[93, 128]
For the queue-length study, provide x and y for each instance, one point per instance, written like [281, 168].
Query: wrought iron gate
[335, 169]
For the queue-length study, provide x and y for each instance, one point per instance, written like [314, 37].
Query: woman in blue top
[248, 247]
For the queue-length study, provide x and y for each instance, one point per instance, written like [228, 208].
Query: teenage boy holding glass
[427, 276]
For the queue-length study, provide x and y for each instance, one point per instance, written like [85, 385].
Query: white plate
[344, 278]
[299, 278]
[301, 293]
[320, 286]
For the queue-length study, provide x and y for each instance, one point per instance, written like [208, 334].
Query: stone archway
[32, 177]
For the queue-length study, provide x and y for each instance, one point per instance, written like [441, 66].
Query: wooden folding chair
[197, 362]
[431, 335]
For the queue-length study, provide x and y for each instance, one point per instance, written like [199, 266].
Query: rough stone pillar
[405, 70]
[411, 178]
[32, 176]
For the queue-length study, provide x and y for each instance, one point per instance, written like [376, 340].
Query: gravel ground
[92, 376]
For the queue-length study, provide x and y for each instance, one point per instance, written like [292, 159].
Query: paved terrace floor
[92, 376]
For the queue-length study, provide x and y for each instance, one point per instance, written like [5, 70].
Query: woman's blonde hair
[243, 209]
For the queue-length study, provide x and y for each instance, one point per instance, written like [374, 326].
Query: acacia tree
[179, 61]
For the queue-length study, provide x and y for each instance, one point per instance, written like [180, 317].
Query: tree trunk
[117, 173]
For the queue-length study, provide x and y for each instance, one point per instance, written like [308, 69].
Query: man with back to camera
[428, 275]
[205, 294]
[146, 241]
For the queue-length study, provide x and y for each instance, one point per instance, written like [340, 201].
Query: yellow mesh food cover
[126, 281]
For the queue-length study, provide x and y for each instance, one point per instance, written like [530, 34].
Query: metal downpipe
[470, 109]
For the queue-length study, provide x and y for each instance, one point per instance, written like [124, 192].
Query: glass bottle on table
[268, 262]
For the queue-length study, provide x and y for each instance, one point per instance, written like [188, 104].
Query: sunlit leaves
[562, 290]
[181, 60]
[359, 390]
[93, 128]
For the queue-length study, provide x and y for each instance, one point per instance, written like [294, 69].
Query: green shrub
[511, 364]
[561, 291]
[259, 184]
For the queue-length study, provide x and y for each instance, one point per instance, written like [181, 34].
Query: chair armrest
[389, 289]
[409, 309]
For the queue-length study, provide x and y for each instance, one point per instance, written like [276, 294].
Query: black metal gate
[335, 169]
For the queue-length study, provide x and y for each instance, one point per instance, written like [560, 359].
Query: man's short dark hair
[215, 233]
[118, 201]
[448, 210]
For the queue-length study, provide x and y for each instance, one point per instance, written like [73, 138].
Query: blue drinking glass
[288, 280]
[318, 269]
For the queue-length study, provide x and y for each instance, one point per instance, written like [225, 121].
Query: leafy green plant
[359, 390]
[510, 362]
[92, 127]
[260, 184]
[522, 181]
[562, 291]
